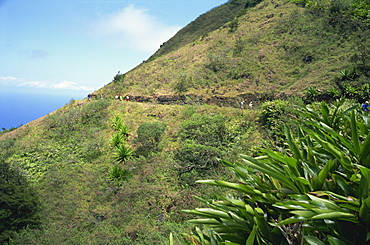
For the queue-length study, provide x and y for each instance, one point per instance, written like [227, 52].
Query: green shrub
[148, 137]
[207, 130]
[19, 202]
[334, 93]
[233, 25]
[119, 78]
[311, 94]
[274, 117]
[197, 157]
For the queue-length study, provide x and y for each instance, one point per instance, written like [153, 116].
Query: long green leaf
[239, 187]
[364, 183]
[293, 146]
[341, 156]
[336, 215]
[365, 152]
[365, 211]
[313, 240]
[317, 182]
[305, 214]
[343, 184]
[335, 241]
[262, 224]
[252, 236]
[200, 235]
[291, 162]
[325, 113]
[291, 220]
[354, 131]
[171, 239]
[324, 203]
[273, 172]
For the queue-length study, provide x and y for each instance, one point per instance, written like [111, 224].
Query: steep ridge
[204, 24]
[274, 50]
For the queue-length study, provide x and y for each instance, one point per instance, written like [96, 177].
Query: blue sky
[77, 46]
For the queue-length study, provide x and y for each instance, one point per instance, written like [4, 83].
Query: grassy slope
[68, 158]
[262, 58]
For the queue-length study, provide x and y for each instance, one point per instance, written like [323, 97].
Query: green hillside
[110, 171]
[275, 49]
[89, 197]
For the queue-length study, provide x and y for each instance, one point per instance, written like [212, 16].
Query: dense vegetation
[19, 201]
[96, 181]
[121, 172]
[313, 191]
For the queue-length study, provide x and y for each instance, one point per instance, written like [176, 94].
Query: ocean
[17, 109]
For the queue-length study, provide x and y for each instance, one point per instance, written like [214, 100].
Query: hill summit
[268, 50]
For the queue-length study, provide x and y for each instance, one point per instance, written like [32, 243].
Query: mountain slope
[204, 24]
[275, 49]
[91, 196]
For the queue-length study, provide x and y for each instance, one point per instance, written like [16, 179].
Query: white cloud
[70, 85]
[20, 82]
[35, 84]
[8, 79]
[135, 28]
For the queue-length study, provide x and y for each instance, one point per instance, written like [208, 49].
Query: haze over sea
[17, 109]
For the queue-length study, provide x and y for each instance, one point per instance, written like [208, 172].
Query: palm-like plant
[120, 126]
[116, 139]
[117, 173]
[116, 122]
[313, 192]
[123, 153]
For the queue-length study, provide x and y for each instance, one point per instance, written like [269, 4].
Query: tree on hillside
[312, 192]
[18, 200]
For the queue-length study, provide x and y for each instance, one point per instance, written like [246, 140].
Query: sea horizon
[17, 109]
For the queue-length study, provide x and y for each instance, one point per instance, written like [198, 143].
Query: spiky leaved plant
[116, 139]
[123, 152]
[316, 191]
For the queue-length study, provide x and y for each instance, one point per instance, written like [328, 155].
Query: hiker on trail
[102, 96]
[242, 104]
[89, 96]
[117, 97]
[250, 105]
[127, 98]
[366, 106]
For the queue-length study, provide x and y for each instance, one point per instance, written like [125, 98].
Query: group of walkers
[119, 97]
[89, 96]
[242, 105]
[102, 96]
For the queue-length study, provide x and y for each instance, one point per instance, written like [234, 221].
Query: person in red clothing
[127, 98]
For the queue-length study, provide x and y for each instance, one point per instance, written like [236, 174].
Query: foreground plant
[316, 191]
